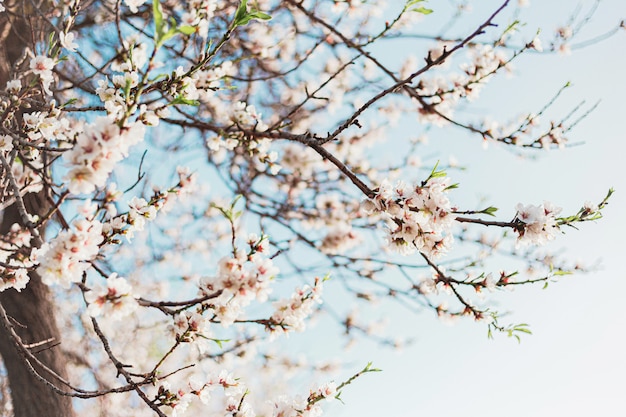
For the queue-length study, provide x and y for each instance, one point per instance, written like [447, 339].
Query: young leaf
[422, 10]
[419, 9]
[186, 30]
[158, 20]
[242, 10]
[182, 100]
[259, 15]
[490, 211]
[243, 17]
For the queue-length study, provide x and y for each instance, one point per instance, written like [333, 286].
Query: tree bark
[32, 311]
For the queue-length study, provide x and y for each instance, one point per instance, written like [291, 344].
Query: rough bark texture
[32, 310]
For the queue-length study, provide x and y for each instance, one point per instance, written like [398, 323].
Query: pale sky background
[574, 364]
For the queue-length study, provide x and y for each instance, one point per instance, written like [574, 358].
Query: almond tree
[181, 179]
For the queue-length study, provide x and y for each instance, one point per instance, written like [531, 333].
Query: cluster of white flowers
[139, 212]
[335, 215]
[300, 161]
[134, 5]
[114, 301]
[340, 239]
[98, 148]
[285, 406]
[209, 80]
[14, 273]
[418, 218]
[42, 66]
[241, 279]
[68, 41]
[114, 97]
[290, 314]
[246, 115]
[555, 137]
[444, 92]
[563, 38]
[538, 223]
[485, 60]
[47, 126]
[62, 260]
[262, 157]
[6, 144]
[27, 179]
[199, 14]
[327, 390]
[187, 181]
[220, 147]
[191, 326]
[178, 400]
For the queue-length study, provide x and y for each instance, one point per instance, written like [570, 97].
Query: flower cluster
[339, 239]
[192, 327]
[241, 279]
[538, 224]
[139, 212]
[290, 314]
[327, 390]
[98, 148]
[419, 218]
[42, 65]
[134, 5]
[114, 301]
[47, 126]
[15, 265]
[178, 400]
[336, 215]
[27, 179]
[246, 115]
[295, 407]
[62, 260]
[199, 14]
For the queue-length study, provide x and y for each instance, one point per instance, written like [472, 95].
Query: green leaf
[218, 342]
[522, 328]
[69, 102]
[187, 30]
[161, 31]
[182, 100]
[419, 9]
[260, 15]
[435, 174]
[235, 201]
[158, 20]
[490, 211]
[512, 27]
[368, 368]
[242, 10]
[243, 17]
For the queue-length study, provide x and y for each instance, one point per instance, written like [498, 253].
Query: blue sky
[573, 364]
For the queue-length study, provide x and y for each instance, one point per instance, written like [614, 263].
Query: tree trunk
[32, 311]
